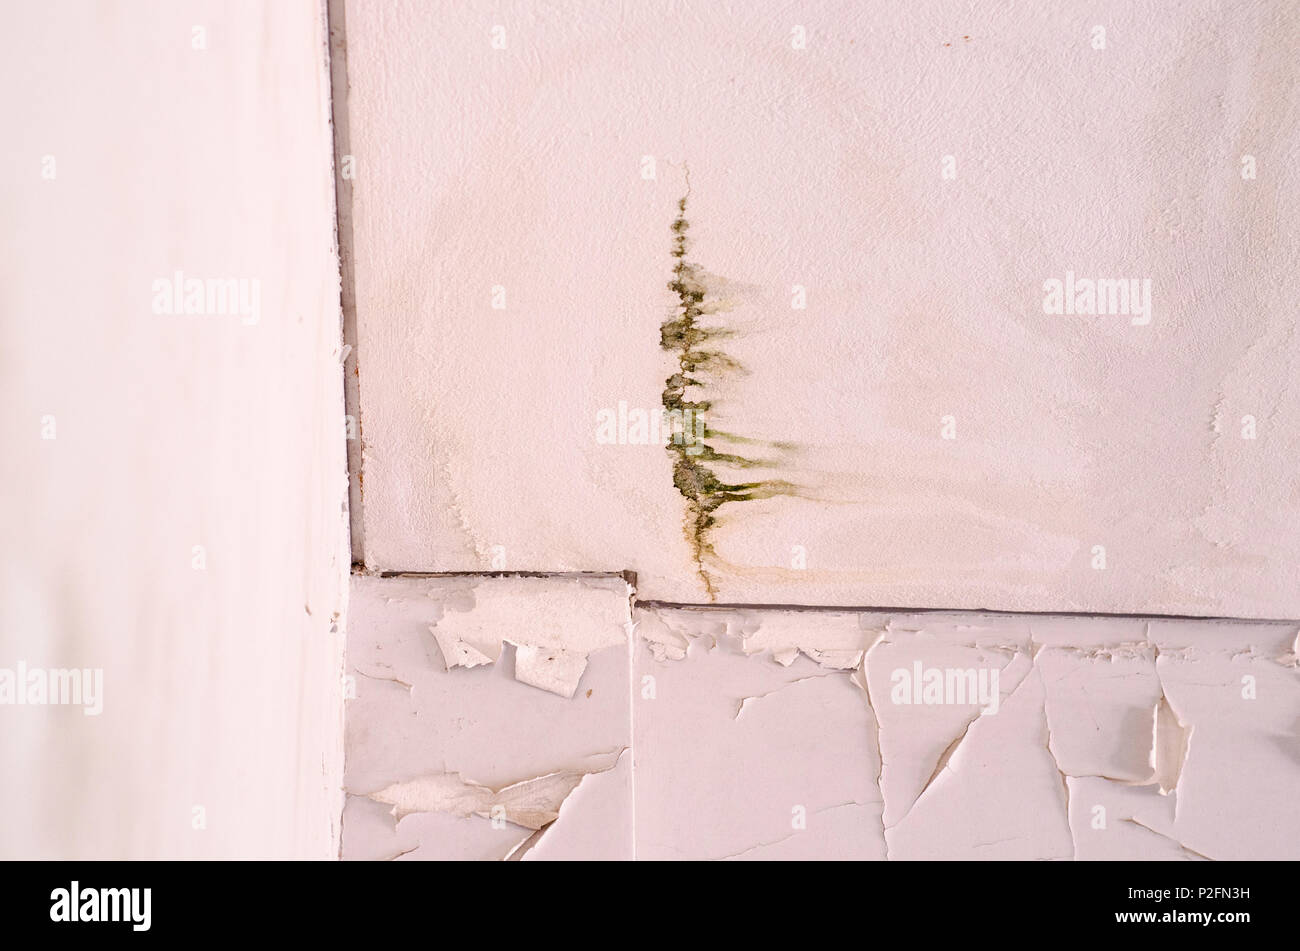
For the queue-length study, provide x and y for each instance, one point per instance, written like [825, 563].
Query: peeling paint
[1169, 743]
[533, 803]
[1112, 738]
[475, 622]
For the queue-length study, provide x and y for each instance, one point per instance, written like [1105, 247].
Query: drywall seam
[628, 576]
[335, 17]
[650, 604]
[653, 603]
[632, 716]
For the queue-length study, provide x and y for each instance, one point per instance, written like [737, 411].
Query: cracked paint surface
[751, 733]
[434, 745]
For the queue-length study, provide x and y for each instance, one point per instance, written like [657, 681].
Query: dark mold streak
[685, 335]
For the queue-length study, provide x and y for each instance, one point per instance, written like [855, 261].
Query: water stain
[702, 365]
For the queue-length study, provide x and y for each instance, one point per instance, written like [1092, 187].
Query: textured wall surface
[879, 194]
[175, 474]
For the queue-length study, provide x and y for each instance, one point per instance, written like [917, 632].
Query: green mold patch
[702, 366]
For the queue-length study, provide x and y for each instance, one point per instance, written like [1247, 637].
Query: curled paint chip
[550, 669]
[532, 803]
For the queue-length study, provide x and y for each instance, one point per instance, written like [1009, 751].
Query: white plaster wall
[221, 684]
[513, 260]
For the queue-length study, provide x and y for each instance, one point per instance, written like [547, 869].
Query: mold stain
[702, 365]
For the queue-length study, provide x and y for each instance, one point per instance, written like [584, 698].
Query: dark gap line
[630, 578]
[983, 612]
[337, 44]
